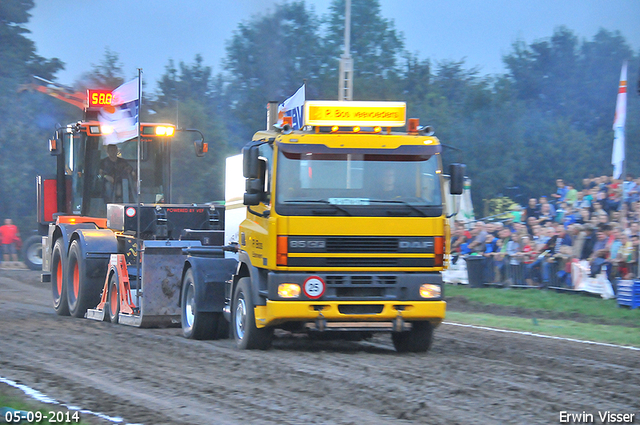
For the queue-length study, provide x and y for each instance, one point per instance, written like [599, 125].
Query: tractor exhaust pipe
[272, 114]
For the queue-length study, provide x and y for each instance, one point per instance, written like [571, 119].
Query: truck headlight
[288, 290]
[430, 291]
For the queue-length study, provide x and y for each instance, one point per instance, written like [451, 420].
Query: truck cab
[345, 227]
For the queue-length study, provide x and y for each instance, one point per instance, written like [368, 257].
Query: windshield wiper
[318, 201]
[399, 201]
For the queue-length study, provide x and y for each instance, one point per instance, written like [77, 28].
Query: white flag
[617, 158]
[123, 116]
[293, 108]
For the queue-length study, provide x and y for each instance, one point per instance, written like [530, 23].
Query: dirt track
[154, 376]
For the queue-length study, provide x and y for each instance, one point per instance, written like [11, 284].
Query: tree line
[549, 115]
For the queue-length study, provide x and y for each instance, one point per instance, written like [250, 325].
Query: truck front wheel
[416, 340]
[243, 321]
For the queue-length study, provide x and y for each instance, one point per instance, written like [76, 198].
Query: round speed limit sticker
[314, 287]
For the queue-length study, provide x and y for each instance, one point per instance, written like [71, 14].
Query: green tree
[267, 59]
[28, 118]
[185, 96]
[376, 47]
[107, 75]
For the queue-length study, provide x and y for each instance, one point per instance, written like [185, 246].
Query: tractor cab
[91, 175]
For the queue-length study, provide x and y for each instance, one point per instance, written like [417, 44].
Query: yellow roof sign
[347, 113]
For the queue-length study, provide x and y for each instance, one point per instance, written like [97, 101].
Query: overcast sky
[146, 33]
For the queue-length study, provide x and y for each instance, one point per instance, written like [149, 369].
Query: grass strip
[26, 404]
[533, 299]
[621, 335]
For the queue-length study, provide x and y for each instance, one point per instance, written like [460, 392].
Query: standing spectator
[516, 214]
[633, 229]
[9, 236]
[600, 255]
[512, 260]
[578, 236]
[546, 216]
[585, 216]
[625, 256]
[589, 241]
[532, 209]
[572, 195]
[544, 201]
[580, 201]
[479, 235]
[629, 189]
[561, 192]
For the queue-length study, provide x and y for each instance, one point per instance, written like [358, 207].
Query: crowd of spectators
[599, 223]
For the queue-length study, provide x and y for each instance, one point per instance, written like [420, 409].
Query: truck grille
[362, 244]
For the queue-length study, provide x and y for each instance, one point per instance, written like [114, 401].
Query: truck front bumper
[276, 312]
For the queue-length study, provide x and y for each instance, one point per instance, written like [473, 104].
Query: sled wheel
[113, 303]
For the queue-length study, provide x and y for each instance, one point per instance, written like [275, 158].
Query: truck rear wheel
[243, 321]
[197, 324]
[32, 252]
[417, 340]
[58, 281]
[83, 292]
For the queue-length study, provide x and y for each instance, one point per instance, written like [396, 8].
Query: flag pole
[138, 197]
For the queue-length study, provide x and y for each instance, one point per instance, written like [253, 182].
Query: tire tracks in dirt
[154, 376]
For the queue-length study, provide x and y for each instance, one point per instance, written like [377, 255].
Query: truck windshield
[351, 183]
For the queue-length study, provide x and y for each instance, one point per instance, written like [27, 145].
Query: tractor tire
[83, 292]
[32, 252]
[243, 321]
[416, 340]
[197, 324]
[113, 298]
[58, 281]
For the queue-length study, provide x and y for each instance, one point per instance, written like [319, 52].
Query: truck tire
[83, 292]
[197, 324]
[58, 281]
[32, 252]
[113, 299]
[416, 340]
[243, 321]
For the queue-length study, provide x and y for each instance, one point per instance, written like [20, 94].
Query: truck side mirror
[456, 178]
[252, 198]
[201, 146]
[254, 191]
[250, 162]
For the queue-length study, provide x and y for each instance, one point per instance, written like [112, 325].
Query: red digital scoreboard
[98, 98]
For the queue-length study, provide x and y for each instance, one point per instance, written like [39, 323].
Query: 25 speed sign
[314, 287]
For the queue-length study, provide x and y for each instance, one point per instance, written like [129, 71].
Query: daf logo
[415, 245]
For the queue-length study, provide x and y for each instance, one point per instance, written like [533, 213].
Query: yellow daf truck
[343, 228]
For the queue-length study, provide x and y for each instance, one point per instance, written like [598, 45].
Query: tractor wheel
[83, 292]
[243, 321]
[416, 340]
[32, 252]
[58, 281]
[197, 324]
[113, 300]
